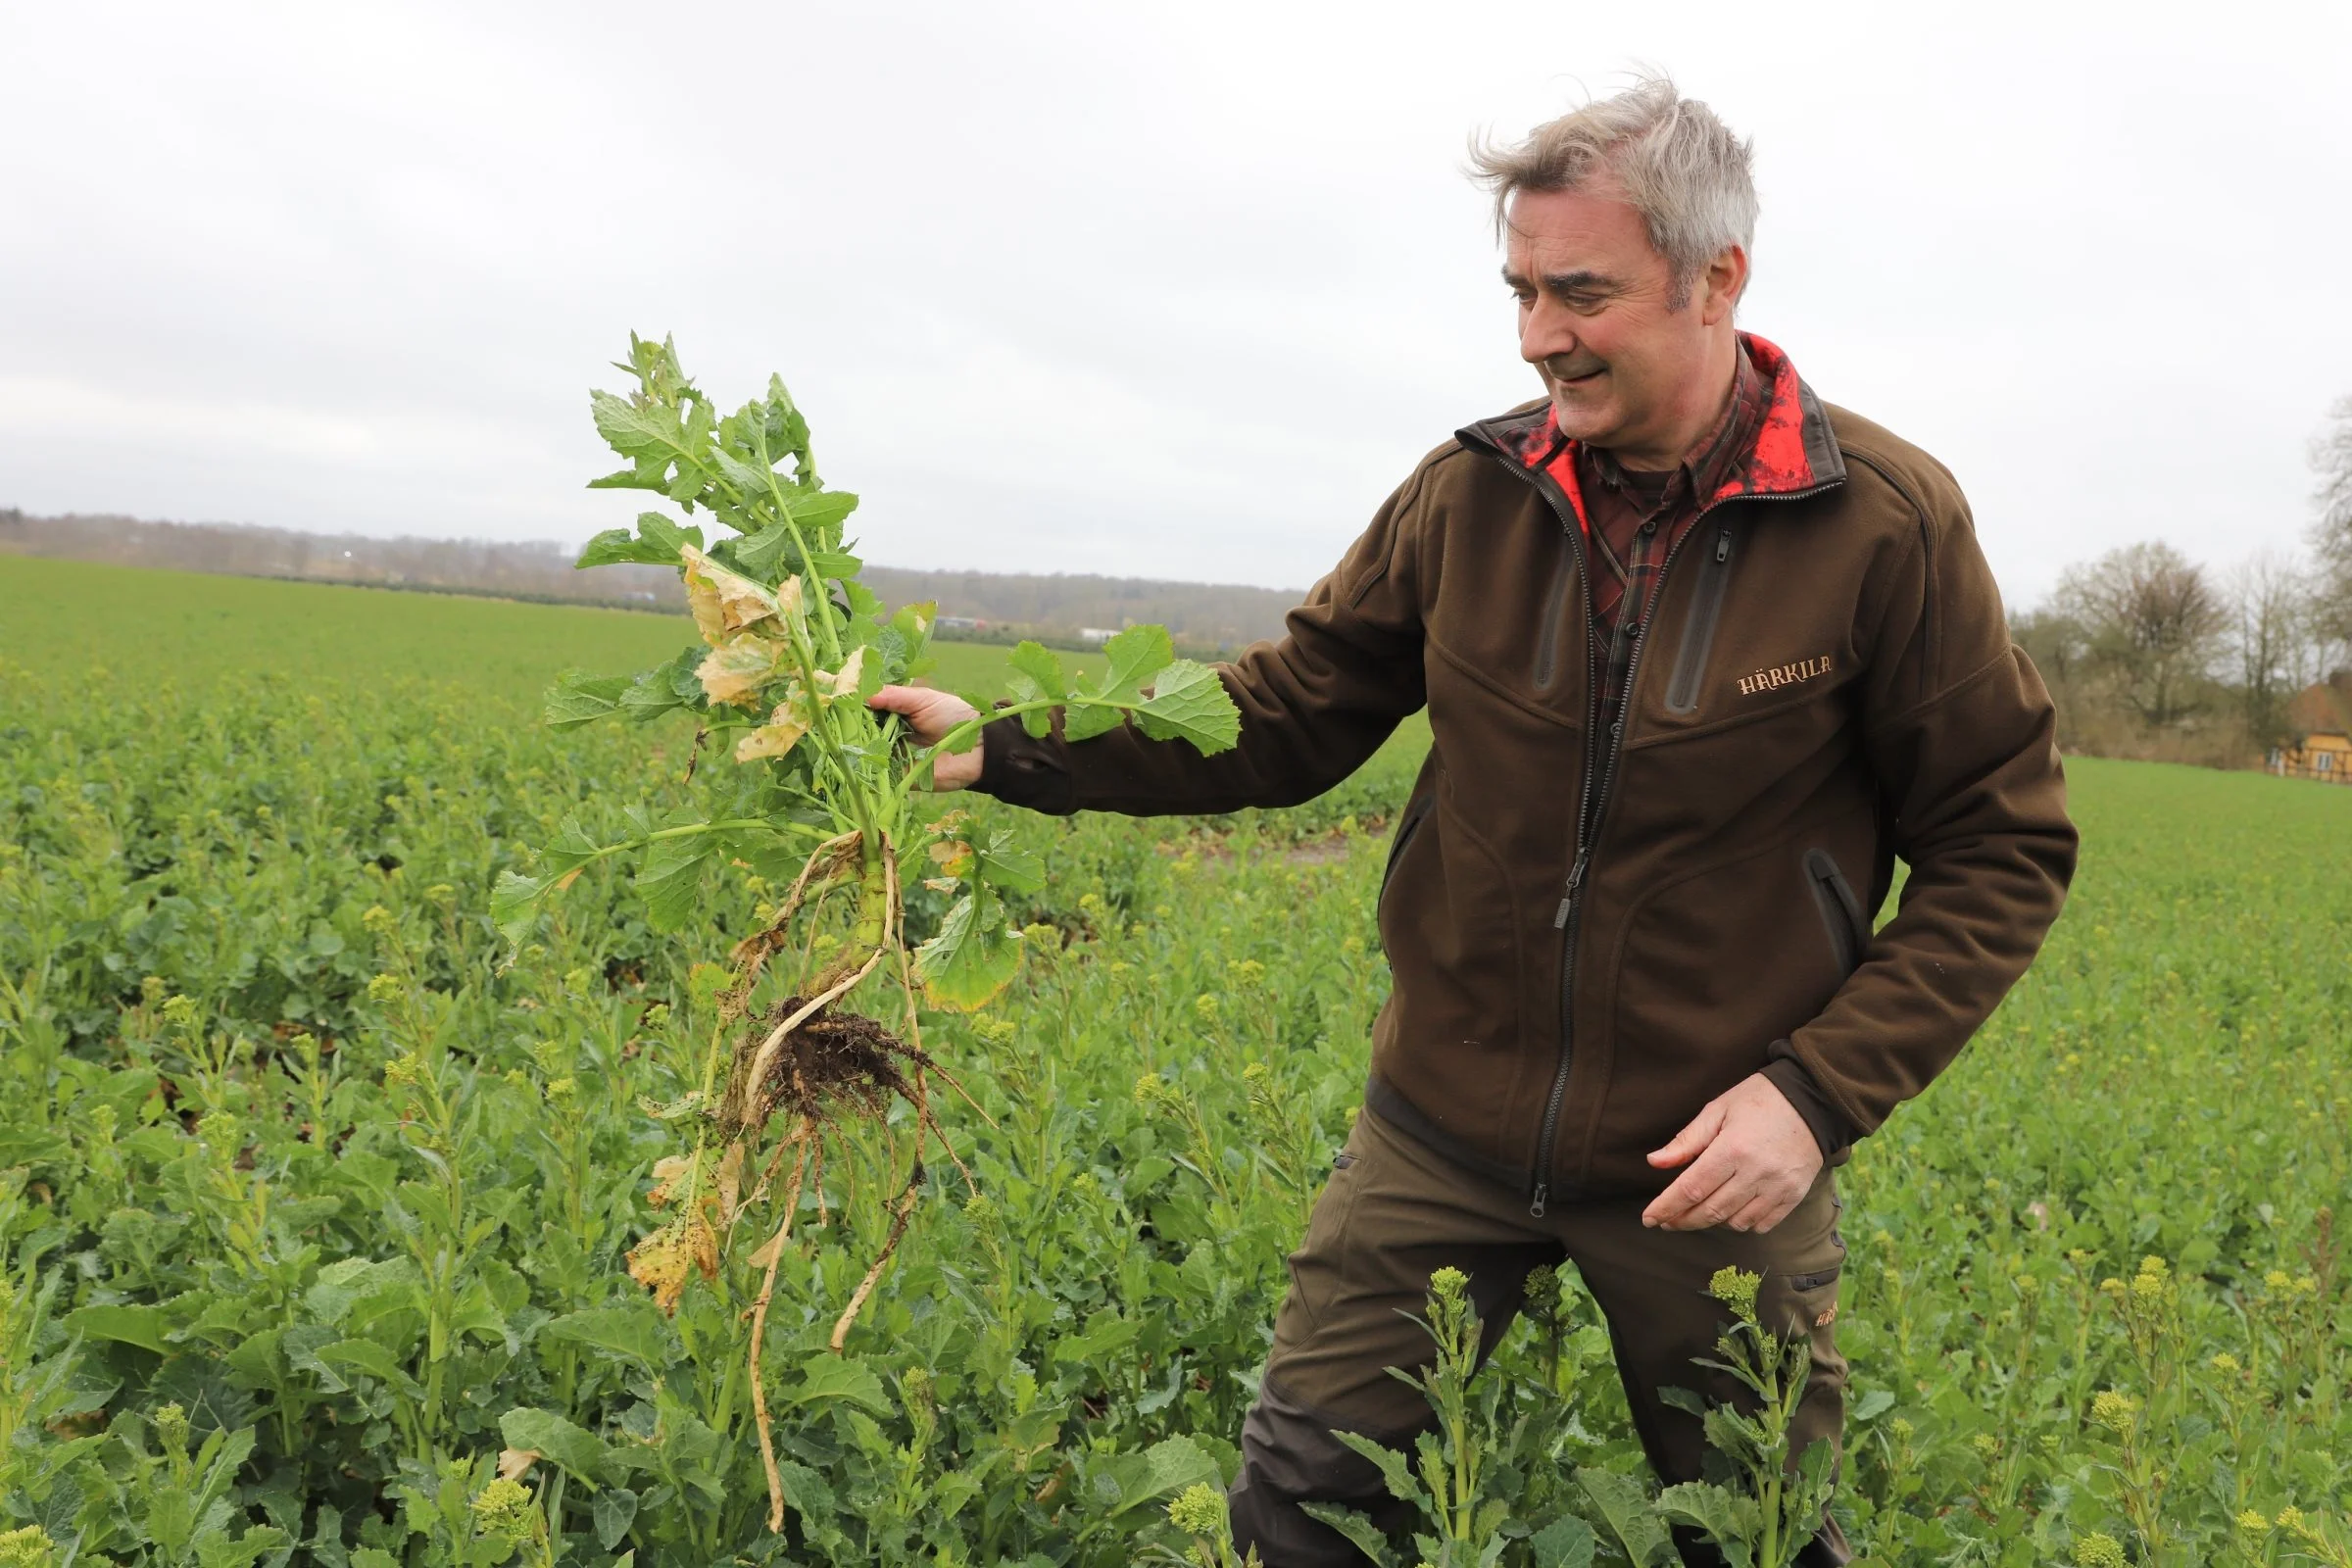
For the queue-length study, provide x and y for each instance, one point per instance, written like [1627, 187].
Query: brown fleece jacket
[1824, 682]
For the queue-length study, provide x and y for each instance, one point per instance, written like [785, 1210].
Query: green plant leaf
[1133, 656]
[837, 1377]
[515, 905]
[1395, 1469]
[577, 699]
[974, 957]
[142, 1325]
[1189, 702]
[372, 1359]
[772, 554]
[673, 876]
[1624, 1507]
[632, 1327]
[1732, 1522]
[1360, 1532]
[1036, 678]
[655, 543]
[1005, 864]
[1163, 1469]
[612, 1512]
[582, 1454]
[804, 1490]
[1565, 1542]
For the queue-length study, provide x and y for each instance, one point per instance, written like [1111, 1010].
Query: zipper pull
[1576, 879]
[1535, 1209]
[1723, 546]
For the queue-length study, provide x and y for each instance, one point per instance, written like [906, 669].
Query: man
[1701, 657]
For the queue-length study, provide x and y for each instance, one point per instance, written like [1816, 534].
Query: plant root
[900, 1213]
[800, 1139]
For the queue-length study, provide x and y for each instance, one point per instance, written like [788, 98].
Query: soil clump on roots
[826, 1061]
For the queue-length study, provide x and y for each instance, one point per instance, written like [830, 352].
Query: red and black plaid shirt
[1634, 520]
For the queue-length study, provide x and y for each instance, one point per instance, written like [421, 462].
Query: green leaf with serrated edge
[1565, 1542]
[837, 1377]
[140, 1325]
[344, 1284]
[612, 1512]
[1165, 1469]
[580, 1452]
[1623, 1505]
[656, 691]
[772, 554]
[1871, 1405]
[371, 1359]
[804, 1490]
[1681, 1398]
[577, 699]
[632, 1327]
[1189, 702]
[654, 543]
[974, 957]
[1133, 656]
[639, 430]
[1361, 1531]
[515, 905]
[1008, 866]
[1732, 1522]
[1395, 1468]
[1042, 667]
[671, 877]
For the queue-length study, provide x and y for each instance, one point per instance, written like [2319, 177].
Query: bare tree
[2272, 604]
[2332, 530]
[2153, 624]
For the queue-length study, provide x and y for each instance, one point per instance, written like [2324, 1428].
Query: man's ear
[1722, 284]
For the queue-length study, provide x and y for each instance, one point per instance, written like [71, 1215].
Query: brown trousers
[1396, 1211]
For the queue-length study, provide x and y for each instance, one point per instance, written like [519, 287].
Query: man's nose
[1545, 332]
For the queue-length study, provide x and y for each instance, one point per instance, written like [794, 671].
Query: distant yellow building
[2321, 715]
[2321, 756]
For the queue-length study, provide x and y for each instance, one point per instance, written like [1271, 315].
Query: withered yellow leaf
[514, 1463]
[776, 738]
[725, 601]
[735, 670]
[660, 1263]
[669, 1171]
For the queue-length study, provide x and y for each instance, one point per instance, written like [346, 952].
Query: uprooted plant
[792, 646]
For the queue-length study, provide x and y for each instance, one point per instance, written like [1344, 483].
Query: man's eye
[1583, 303]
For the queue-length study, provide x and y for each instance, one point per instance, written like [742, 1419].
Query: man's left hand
[1751, 1160]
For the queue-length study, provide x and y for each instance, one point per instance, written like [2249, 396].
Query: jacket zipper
[1592, 805]
[1699, 634]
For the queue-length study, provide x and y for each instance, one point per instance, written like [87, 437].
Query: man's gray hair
[1677, 165]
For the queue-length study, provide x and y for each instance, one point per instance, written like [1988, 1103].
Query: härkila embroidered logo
[1779, 676]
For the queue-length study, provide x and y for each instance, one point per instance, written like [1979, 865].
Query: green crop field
[314, 1207]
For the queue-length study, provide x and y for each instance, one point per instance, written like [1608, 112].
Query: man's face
[1623, 369]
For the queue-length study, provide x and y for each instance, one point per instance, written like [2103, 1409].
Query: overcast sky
[1175, 291]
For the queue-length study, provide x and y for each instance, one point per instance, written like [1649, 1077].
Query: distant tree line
[2149, 654]
[1206, 619]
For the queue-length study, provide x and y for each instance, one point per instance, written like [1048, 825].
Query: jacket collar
[1792, 452]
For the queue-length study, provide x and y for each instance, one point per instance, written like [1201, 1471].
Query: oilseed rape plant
[792, 646]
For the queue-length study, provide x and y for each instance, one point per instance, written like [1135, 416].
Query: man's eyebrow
[1583, 280]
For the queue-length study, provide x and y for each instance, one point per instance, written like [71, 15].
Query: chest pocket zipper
[1840, 911]
[1555, 615]
[1698, 632]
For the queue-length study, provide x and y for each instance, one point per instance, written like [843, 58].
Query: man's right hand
[929, 715]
